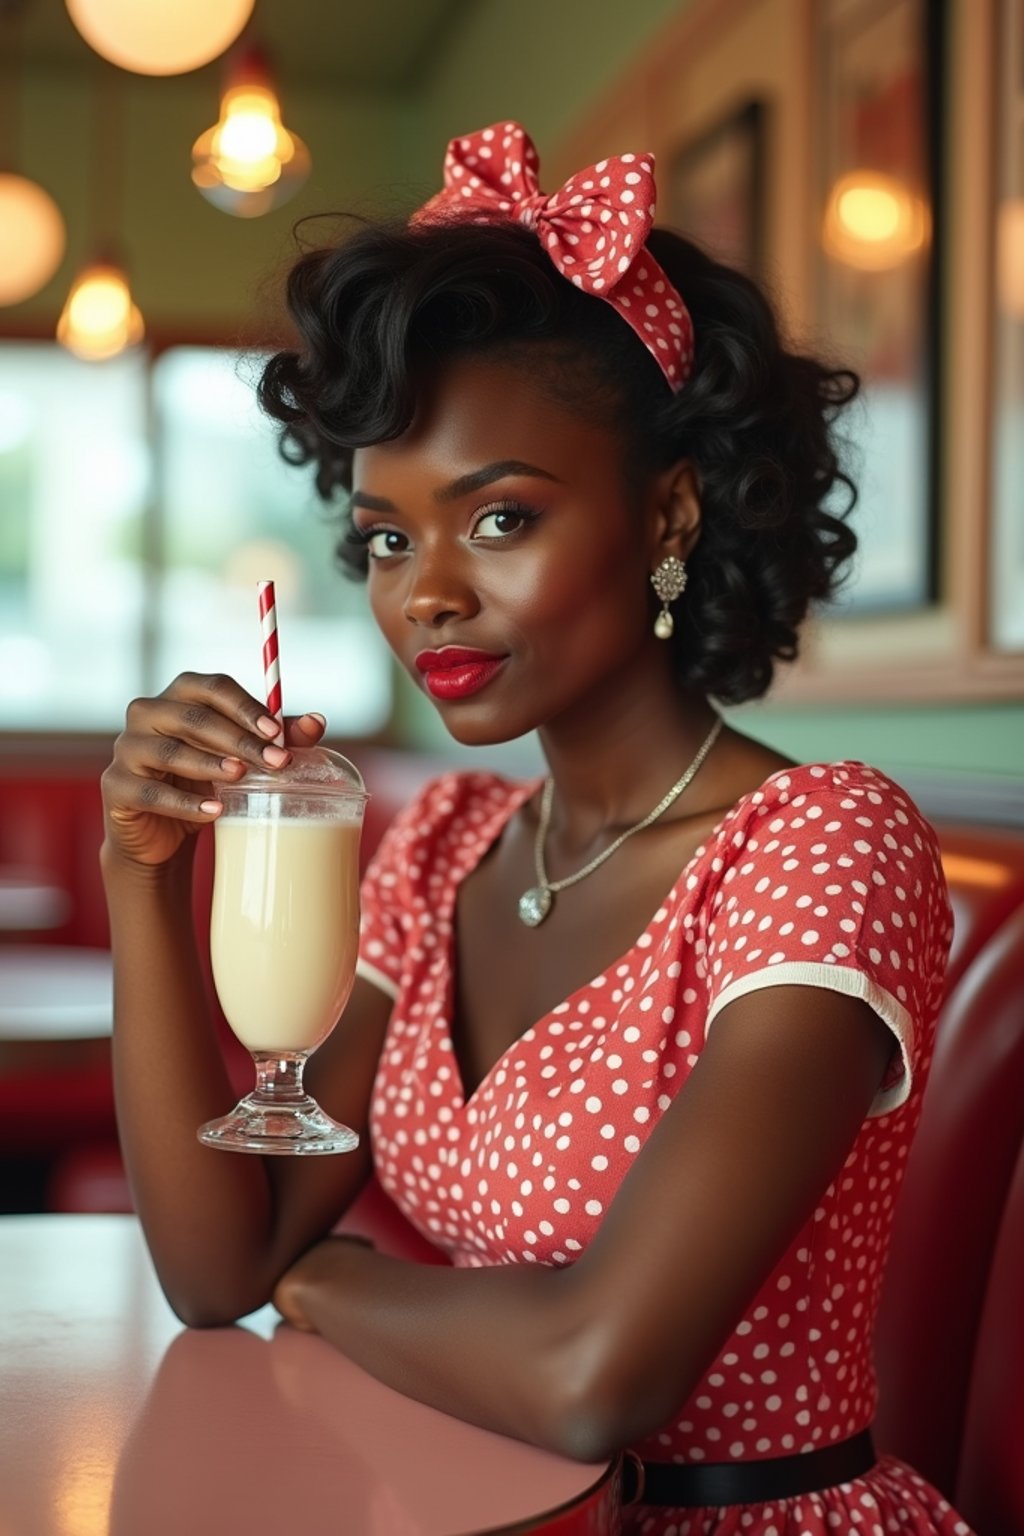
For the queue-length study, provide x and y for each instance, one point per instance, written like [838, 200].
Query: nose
[438, 591]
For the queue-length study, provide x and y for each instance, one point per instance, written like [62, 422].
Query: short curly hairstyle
[376, 311]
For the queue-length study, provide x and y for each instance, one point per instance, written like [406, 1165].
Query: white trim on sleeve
[376, 978]
[835, 978]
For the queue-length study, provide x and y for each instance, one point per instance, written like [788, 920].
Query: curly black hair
[377, 310]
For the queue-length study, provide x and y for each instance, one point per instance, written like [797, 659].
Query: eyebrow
[465, 485]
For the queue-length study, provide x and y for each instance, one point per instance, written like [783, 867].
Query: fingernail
[275, 756]
[268, 726]
[321, 720]
[210, 807]
[232, 764]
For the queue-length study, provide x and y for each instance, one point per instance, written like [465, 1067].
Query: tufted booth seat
[950, 1342]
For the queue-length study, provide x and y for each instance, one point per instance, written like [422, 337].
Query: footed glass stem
[278, 1116]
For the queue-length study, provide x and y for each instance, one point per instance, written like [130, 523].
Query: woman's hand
[323, 1263]
[174, 754]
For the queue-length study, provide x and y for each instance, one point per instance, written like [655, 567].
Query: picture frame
[1006, 565]
[878, 238]
[716, 188]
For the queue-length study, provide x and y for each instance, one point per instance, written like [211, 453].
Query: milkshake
[284, 936]
[285, 928]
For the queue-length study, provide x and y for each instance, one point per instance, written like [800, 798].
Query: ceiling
[372, 44]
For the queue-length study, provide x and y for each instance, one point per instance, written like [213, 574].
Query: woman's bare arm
[584, 1360]
[221, 1226]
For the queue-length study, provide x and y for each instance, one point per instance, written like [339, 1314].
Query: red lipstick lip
[459, 682]
[451, 657]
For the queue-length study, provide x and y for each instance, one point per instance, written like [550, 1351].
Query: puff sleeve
[839, 887]
[387, 896]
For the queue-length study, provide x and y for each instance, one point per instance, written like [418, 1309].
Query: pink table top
[115, 1420]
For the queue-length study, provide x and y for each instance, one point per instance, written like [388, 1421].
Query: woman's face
[499, 524]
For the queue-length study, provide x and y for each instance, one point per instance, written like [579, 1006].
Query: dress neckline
[491, 830]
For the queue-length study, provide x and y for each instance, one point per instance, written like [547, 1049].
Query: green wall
[193, 267]
[539, 61]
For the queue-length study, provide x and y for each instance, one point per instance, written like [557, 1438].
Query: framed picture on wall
[715, 189]
[1006, 585]
[878, 309]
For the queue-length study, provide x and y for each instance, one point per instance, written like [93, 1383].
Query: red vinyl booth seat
[950, 1342]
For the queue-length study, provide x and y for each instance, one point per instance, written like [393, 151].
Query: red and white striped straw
[271, 655]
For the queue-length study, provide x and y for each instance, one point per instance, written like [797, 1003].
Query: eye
[502, 521]
[383, 542]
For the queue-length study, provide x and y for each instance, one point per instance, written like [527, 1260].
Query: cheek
[386, 610]
[583, 584]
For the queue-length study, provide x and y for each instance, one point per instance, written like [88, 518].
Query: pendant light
[99, 318]
[160, 37]
[1010, 257]
[873, 221]
[32, 234]
[248, 163]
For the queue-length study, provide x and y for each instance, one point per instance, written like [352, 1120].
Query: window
[140, 502]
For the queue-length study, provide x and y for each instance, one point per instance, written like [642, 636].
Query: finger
[222, 694]
[304, 730]
[131, 796]
[201, 726]
[153, 754]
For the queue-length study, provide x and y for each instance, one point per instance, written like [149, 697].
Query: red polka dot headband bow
[594, 229]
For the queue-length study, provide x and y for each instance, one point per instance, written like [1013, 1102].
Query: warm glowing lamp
[248, 163]
[873, 221]
[1010, 257]
[160, 37]
[99, 319]
[32, 238]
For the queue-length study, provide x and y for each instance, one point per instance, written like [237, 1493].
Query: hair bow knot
[594, 229]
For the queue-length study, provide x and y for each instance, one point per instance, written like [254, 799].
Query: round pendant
[534, 905]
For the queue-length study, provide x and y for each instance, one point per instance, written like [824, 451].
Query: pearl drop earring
[668, 581]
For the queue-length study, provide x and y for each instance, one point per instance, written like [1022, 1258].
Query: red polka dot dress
[827, 876]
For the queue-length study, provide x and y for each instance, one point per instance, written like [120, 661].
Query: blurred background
[864, 159]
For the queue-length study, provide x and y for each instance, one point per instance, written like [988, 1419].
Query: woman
[589, 486]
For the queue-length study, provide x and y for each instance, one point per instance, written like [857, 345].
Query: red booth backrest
[991, 1484]
[52, 824]
[949, 1210]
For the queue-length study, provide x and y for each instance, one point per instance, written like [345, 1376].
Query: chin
[482, 730]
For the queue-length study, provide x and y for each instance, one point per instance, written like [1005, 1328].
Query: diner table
[29, 901]
[56, 1006]
[51, 992]
[115, 1420]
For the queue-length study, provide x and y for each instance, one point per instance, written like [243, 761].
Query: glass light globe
[160, 37]
[32, 238]
[248, 162]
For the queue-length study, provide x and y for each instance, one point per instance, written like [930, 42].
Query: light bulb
[1010, 257]
[872, 221]
[99, 319]
[249, 163]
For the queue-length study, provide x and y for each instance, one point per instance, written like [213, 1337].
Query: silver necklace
[536, 903]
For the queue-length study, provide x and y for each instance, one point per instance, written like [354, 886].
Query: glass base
[278, 1117]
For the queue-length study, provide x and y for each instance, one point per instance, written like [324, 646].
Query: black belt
[745, 1482]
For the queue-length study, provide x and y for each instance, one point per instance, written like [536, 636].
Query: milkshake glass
[284, 937]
